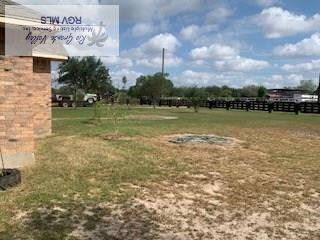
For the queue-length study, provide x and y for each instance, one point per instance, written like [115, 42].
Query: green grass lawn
[136, 185]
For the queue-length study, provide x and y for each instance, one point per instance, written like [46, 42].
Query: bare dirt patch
[115, 137]
[237, 192]
[196, 208]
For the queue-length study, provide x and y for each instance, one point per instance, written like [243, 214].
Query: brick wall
[16, 112]
[25, 111]
[42, 104]
[42, 97]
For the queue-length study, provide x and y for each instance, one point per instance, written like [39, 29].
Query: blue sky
[212, 42]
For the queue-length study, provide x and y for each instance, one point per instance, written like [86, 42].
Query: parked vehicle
[66, 101]
[63, 101]
[90, 98]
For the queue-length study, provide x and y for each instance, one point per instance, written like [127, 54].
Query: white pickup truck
[90, 98]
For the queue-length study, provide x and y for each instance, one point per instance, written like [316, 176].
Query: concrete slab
[18, 160]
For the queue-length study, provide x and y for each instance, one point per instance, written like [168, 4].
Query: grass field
[89, 183]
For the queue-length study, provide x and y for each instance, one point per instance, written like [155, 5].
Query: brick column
[16, 110]
[42, 104]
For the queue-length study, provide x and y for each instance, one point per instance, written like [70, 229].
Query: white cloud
[277, 78]
[190, 32]
[295, 78]
[157, 43]
[218, 15]
[306, 47]
[201, 79]
[193, 32]
[122, 62]
[277, 22]
[241, 64]
[226, 58]
[136, 11]
[267, 3]
[130, 74]
[147, 10]
[236, 79]
[141, 29]
[149, 54]
[279, 81]
[190, 78]
[312, 66]
[214, 52]
[212, 21]
[156, 62]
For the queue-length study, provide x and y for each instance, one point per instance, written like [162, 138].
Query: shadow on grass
[129, 221]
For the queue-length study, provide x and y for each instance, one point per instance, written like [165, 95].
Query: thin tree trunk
[75, 97]
[154, 102]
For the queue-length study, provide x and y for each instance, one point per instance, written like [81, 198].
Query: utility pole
[163, 51]
[161, 85]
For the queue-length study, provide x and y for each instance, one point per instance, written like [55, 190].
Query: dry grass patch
[254, 193]
[263, 186]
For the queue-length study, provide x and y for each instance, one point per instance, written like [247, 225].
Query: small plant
[195, 103]
[196, 95]
[98, 112]
[116, 113]
[113, 113]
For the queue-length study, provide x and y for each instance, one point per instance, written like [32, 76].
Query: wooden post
[270, 107]
[210, 104]
[248, 105]
[297, 108]
[228, 105]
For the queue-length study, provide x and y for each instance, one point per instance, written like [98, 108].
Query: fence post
[210, 104]
[297, 108]
[270, 107]
[228, 105]
[248, 105]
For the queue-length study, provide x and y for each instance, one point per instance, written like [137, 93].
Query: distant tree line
[90, 75]
[154, 86]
